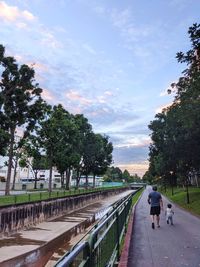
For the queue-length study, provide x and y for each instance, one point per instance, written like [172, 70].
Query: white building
[25, 176]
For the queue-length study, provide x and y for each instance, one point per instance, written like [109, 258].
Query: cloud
[164, 93]
[74, 95]
[14, 14]
[133, 129]
[47, 95]
[127, 155]
[100, 10]
[124, 22]
[25, 20]
[121, 19]
[39, 66]
[48, 39]
[124, 140]
[89, 49]
[161, 108]
[135, 141]
[108, 115]
[135, 168]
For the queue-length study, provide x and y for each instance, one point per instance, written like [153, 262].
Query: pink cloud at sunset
[160, 109]
[47, 95]
[139, 168]
[13, 14]
[75, 96]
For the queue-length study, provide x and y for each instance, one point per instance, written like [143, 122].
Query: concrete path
[168, 246]
[31, 239]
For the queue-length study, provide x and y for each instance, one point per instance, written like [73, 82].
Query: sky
[110, 60]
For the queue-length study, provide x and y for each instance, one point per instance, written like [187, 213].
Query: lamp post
[171, 178]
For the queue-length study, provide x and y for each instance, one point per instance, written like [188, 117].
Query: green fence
[102, 248]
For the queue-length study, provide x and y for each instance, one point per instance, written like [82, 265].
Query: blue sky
[111, 60]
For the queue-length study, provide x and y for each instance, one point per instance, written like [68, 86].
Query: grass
[180, 198]
[136, 196]
[38, 196]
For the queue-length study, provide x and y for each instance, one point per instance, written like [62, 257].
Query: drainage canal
[90, 218]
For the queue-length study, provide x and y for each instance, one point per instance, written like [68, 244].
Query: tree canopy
[175, 147]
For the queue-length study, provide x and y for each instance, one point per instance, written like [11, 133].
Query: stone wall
[22, 216]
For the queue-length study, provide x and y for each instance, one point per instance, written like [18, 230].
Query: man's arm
[149, 199]
[161, 203]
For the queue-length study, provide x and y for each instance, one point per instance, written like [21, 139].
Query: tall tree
[20, 102]
[84, 128]
[175, 133]
[97, 155]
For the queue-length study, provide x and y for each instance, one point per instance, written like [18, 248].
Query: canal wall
[23, 216]
[39, 257]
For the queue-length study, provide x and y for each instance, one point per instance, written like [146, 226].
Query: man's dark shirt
[154, 198]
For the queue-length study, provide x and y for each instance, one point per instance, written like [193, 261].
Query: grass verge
[180, 197]
[35, 196]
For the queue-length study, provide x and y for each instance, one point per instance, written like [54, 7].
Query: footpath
[168, 246]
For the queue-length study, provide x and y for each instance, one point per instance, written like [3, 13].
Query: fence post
[118, 235]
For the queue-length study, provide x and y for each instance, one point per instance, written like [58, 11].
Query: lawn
[44, 195]
[136, 196]
[180, 198]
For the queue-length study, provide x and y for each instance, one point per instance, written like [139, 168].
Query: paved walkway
[167, 246]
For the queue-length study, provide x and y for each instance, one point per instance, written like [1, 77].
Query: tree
[97, 155]
[126, 176]
[83, 130]
[32, 157]
[175, 132]
[66, 156]
[20, 103]
[113, 174]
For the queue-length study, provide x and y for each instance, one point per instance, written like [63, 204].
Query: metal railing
[102, 248]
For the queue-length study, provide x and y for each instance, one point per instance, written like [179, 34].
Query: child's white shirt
[169, 212]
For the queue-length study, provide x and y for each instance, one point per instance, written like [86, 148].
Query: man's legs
[158, 220]
[152, 221]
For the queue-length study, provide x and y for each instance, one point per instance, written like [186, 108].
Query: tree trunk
[86, 181]
[187, 192]
[50, 175]
[67, 178]
[10, 157]
[35, 182]
[165, 185]
[172, 184]
[15, 173]
[62, 180]
[196, 179]
[93, 180]
[78, 179]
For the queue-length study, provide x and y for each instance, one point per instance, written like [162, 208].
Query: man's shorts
[155, 210]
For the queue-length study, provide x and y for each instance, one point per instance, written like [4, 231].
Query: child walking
[169, 214]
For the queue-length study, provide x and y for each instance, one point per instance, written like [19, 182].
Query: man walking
[155, 200]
